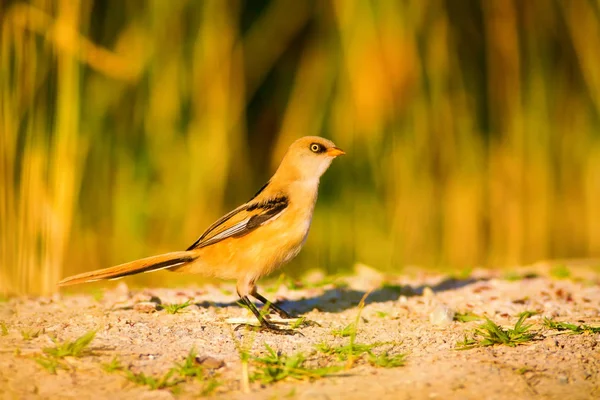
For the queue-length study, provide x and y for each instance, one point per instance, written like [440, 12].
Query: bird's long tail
[148, 264]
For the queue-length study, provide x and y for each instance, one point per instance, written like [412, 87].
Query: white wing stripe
[240, 226]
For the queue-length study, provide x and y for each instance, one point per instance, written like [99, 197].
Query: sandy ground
[412, 313]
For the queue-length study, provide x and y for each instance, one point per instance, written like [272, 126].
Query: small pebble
[210, 362]
[442, 315]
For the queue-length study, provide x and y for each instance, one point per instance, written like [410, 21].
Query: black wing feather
[263, 211]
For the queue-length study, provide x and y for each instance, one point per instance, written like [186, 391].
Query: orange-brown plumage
[255, 238]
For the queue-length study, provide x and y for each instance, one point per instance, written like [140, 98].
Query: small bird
[254, 239]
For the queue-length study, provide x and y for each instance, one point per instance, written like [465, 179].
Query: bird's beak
[334, 152]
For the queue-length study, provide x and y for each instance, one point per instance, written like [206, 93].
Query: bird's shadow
[338, 299]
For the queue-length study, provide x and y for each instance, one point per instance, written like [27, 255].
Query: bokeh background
[126, 127]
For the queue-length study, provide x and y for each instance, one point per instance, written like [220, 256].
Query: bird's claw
[268, 328]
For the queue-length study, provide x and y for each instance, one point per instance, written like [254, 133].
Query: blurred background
[472, 129]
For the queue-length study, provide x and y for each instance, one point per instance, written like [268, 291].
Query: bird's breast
[266, 248]
[283, 238]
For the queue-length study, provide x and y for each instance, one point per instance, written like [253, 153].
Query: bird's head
[309, 157]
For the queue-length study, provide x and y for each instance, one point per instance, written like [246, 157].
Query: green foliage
[190, 368]
[571, 328]
[274, 367]
[76, 348]
[349, 351]
[385, 360]
[97, 294]
[455, 105]
[466, 317]
[154, 383]
[3, 329]
[51, 359]
[113, 366]
[50, 364]
[523, 370]
[527, 314]
[345, 331]
[298, 322]
[462, 273]
[29, 335]
[175, 308]
[490, 334]
[560, 271]
[517, 276]
[354, 351]
[210, 385]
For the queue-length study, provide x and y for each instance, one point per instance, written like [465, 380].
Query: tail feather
[148, 264]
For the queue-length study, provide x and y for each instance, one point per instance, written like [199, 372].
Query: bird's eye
[316, 148]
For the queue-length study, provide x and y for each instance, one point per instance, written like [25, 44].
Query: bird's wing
[242, 221]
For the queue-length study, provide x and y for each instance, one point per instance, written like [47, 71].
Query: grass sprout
[467, 317]
[51, 359]
[490, 334]
[175, 308]
[560, 271]
[385, 360]
[154, 383]
[298, 323]
[527, 314]
[354, 351]
[190, 366]
[571, 328]
[50, 364]
[209, 385]
[30, 335]
[76, 348]
[274, 367]
[113, 366]
[345, 331]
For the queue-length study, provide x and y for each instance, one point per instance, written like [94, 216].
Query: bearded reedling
[254, 239]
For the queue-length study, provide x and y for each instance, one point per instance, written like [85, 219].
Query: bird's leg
[268, 304]
[265, 325]
[282, 313]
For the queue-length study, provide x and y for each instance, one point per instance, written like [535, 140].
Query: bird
[255, 238]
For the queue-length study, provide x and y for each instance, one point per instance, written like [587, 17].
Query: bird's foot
[273, 309]
[303, 322]
[293, 320]
[269, 328]
[282, 313]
